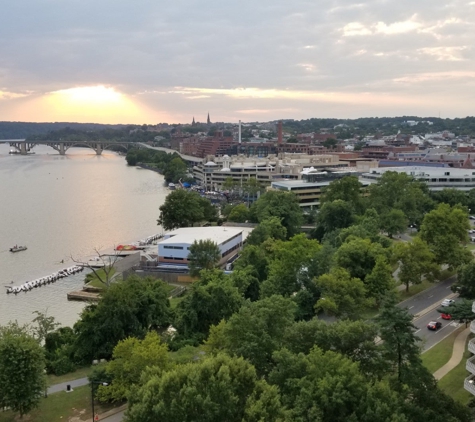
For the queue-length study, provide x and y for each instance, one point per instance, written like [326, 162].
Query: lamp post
[92, 394]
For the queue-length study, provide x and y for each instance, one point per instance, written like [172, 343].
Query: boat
[17, 248]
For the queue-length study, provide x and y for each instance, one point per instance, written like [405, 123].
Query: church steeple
[193, 122]
[208, 121]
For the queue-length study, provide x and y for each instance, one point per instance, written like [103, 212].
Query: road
[422, 302]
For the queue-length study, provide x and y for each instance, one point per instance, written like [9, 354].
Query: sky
[151, 61]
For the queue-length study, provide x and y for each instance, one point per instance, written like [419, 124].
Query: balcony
[470, 365]
[469, 384]
[472, 327]
[471, 346]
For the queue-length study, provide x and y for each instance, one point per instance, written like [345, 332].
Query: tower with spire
[208, 121]
[193, 123]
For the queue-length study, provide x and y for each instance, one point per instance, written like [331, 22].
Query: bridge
[24, 147]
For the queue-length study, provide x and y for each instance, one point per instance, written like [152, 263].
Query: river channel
[64, 207]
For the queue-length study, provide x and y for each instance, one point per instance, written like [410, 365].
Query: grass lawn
[60, 407]
[452, 383]
[440, 354]
[93, 281]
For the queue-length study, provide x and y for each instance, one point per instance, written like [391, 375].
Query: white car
[447, 302]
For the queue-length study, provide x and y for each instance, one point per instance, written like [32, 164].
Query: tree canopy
[283, 205]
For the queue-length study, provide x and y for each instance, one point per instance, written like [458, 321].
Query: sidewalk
[56, 388]
[457, 354]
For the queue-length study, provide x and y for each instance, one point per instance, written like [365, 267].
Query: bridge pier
[23, 149]
[62, 151]
[98, 149]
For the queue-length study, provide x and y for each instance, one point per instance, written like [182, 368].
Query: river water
[63, 207]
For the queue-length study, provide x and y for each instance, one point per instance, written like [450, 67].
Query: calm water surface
[62, 207]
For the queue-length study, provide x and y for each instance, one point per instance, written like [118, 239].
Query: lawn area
[93, 281]
[60, 407]
[440, 354]
[452, 383]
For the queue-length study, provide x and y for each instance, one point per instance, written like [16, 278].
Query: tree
[347, 189]
[353, 339]
[465, 284]
[45, 325]
[283, 205]
[127, 309]
[206, 304]
[451, 196]
[182, 208]
[255, 331]
[341, 295]
[328, 387]
[445, 230]
[396, 190]
[358, 256]
[288, 265]
[399, 343]
[22, 364]
[102, 267]
[393, 222]
[380, 281]
[229, 183]
[239, 214]
[334, 215]
[256, 257]
[251, 187]
[129, 359]
[204, 254]
[460, 311]
[270, 228]
[416, 261]
[330, 143]
[175, 170]
[217, 389]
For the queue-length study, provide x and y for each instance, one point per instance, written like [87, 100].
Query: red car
[446, 316]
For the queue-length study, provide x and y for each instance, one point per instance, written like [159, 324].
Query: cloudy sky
[150, 61]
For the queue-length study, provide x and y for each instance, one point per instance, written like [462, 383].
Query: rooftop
[190, 234]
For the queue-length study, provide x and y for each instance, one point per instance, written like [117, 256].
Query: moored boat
[17, 248]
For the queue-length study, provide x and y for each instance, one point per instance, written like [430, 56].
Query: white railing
[471, 346]
[472, 327]
[470, 365]
[469, 384]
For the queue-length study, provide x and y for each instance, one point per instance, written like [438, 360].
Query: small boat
[17, 248]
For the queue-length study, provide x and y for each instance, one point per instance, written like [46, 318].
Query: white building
[437, 178]
[175, 246]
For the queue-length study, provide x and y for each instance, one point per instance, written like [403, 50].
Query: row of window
[232, 249]
[172, 247]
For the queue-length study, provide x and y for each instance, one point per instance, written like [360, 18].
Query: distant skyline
[149, 62]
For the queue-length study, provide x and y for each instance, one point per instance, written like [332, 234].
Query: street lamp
[105, 384]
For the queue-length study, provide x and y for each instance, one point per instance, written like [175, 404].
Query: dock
[84, 296]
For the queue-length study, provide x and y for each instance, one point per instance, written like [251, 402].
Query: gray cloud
[376, 49]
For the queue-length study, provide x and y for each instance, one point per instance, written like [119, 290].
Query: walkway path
[457, 354]
[62, 386]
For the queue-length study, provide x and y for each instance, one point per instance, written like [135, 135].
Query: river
[64, 207]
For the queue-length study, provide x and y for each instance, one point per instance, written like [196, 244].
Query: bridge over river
[23, 147]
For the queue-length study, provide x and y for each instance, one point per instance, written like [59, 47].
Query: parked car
[447, 302]
[446, 316]
[472, 217]
[434, 325]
